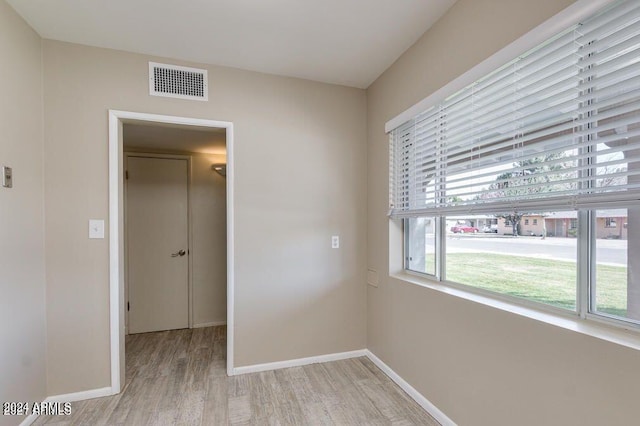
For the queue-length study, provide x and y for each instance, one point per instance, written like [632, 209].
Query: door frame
[116, 232]
[142, 154]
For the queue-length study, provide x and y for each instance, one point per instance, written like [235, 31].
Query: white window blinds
[558, 127]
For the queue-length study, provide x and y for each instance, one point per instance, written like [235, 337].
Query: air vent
[173, 81]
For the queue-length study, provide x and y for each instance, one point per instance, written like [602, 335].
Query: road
[611, 252]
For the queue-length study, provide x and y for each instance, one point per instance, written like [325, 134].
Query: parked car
[493, 229]
[463, 229]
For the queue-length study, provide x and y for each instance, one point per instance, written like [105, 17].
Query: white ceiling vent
[174, 81]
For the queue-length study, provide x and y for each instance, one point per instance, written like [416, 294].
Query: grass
[430, 264]
[611, 290]
[548, 281]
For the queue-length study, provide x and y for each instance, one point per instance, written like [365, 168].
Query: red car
[462, 229]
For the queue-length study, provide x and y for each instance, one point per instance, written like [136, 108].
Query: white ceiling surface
[163, 137]
[349, 42]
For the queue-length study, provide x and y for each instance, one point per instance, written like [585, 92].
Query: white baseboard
[411, 391]
[209, 324]
[29, 419]
[71, 397]
[298, 362]
[81, 396]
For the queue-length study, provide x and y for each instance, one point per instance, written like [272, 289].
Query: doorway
[157, 243]
[118, 255]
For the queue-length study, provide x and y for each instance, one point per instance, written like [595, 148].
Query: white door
[157, 244]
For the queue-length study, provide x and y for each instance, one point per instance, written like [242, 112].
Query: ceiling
[169, 137]
[349, 42]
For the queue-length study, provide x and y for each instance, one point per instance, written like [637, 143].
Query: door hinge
[126, 174]
[127, 306]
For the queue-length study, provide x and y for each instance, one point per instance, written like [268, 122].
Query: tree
[454, 199]
[604, 177]
[529, 177]
[532, 176]
[513, 218]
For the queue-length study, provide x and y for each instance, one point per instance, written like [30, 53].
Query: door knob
[178, 253]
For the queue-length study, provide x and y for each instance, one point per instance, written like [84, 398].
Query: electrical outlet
[335, 241]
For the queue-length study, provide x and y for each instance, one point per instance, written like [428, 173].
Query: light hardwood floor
[179, 378]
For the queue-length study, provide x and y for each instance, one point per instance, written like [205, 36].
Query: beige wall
[479, 365]
[22, 308]
[209, 224]
[300, 157]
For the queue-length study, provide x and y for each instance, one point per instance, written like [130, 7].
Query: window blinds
[556, 128]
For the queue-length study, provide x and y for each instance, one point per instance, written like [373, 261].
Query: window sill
[619, 334]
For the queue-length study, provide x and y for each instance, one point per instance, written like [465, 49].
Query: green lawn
[548, 281]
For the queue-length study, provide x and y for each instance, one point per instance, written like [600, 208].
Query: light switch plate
[96, 228]
[335, 241]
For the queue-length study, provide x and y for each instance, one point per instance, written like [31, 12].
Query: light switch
[96, 228]
[335, 241]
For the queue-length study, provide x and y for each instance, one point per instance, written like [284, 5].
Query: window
[616, 292]
[553, 134]
[524, 267]
[420, 245]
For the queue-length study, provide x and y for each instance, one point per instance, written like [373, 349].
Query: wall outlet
[335, 241]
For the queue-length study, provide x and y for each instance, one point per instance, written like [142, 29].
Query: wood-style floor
[179, 378]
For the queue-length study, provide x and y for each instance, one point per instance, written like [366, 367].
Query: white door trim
[116, 233]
